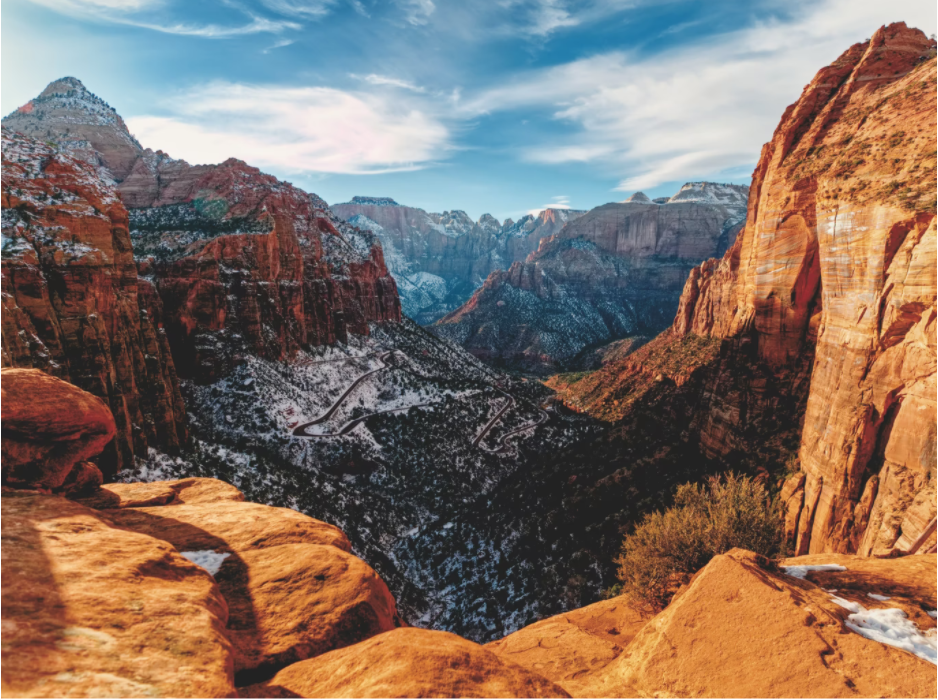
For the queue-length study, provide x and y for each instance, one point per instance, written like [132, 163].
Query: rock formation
[97, 136]
[438, 260]
[182, 588]
[742, 628]
[616, 271]
[231, 261]
[49, 426]
[827, 302]
[73, 305]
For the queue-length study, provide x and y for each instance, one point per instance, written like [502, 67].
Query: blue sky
[499, 106]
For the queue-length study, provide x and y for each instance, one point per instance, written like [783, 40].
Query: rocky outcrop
[72, 303]
[614, 272]
[80, 123]
[826, 304]
[565, 648]
[94, 611]
[743, 628]
[48, 427]
[246, 264]
[234, 262]
[438, 260]
[407, 663]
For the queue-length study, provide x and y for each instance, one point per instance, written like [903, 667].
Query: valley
[419, 426]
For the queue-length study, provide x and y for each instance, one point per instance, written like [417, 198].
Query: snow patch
[208, 559]
[802, 571]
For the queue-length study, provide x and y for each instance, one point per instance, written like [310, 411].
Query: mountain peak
[81, 123]
[64, 86]
[639, 197]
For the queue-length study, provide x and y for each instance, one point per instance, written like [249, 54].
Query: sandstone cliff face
[613, 272]
[244, 263]
[438, 260]
[72, 303]
[827, 300]
[234, 261]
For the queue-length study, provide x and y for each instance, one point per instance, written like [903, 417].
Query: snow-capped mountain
[438, 260]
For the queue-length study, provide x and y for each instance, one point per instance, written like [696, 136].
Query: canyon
[232, 464]
[185, 588]
[439, 260]
[614, 272]
[821, 316]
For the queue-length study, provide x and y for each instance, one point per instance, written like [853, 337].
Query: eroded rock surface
[616, 271]
[824, 308]
[48, 426]
[742, 628]
[72, 303]
[567, 647]
[92, 611]
[407, 663]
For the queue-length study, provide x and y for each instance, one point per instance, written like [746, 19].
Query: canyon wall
[439, 260]
[616, 271]
[827, 300]
[73, 305]
[123, 268]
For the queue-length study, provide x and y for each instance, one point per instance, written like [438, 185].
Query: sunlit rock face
[73, 305]
[838, 261]
[616, 271]
[438, 260]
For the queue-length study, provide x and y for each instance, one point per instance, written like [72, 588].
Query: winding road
[300, 430]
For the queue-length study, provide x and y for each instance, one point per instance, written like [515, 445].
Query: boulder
[292, 588]
[48, 426]
[90, 611]
[407, 663]
[565, 647]
[744, 628]
[157, 493]
[239, 526]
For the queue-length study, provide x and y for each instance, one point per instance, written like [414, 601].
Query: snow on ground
[802, 571]
[877, 596]
[891, 626]
[208, 559]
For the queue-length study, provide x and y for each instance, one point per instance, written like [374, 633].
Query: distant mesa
[374, 201]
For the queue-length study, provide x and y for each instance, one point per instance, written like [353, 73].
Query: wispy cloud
[296, 129]
[693, 111]
[305, 9]
[128, 13]
[375, 79]
[559, 202]
[278, 45]
[416, 12]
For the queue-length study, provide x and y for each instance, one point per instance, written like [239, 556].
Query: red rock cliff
[289, 275]
[838, 259]
[72, 303]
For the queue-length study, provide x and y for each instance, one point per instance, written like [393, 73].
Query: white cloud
[548, 16]
[375, 79]
[128, 13]
[306, 9]
[694, 111]
[417, 12]
[296, 129]
[559, 202]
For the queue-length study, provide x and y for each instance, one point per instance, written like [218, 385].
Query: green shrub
[667, 548]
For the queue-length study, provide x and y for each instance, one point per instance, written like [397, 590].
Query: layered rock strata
[438, 260]
[73, 305]
[827, 299]
[614, 272]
